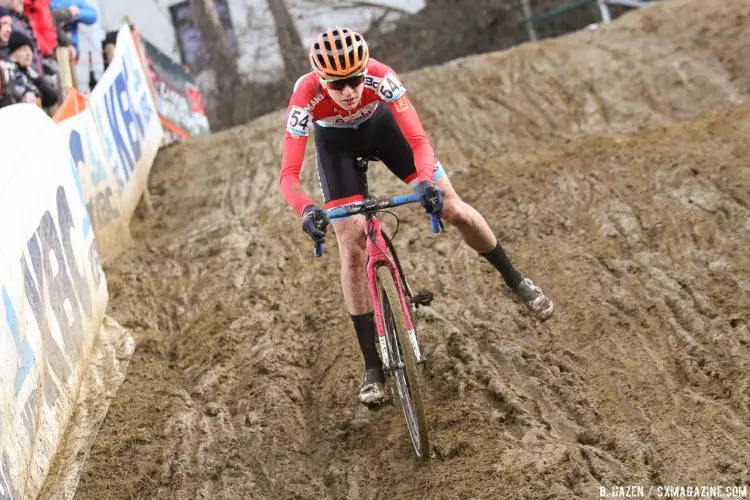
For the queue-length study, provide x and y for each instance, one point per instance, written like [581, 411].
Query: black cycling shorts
[337, 150]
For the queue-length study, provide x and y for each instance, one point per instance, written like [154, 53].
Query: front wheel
[402, 360]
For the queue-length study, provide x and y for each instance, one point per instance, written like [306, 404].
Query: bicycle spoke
[403, 363]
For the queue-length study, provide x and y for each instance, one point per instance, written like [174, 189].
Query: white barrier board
[53, 295]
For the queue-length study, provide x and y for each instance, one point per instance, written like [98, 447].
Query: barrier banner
[128, 123]
[101, 191]
[53, 295]
[177, 97]
[107, 368]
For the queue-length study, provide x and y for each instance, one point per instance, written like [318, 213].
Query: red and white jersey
[310, 103]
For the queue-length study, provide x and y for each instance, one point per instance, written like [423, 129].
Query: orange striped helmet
[339, 53]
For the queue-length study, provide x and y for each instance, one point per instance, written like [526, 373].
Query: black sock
[364, 326]
[498, 259]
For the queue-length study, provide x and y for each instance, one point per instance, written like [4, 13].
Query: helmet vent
[338, 53]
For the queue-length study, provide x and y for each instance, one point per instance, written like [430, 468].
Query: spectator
[80, 12]
[108, 47]
[60, 17]
[22, 24]
[45, 31]
[6, 27]
[40, 16]
[24, 83]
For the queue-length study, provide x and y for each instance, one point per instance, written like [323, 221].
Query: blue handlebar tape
[337, 212]
[403, 199]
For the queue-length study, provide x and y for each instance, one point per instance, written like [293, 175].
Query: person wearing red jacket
[40, 15]
[357, 106]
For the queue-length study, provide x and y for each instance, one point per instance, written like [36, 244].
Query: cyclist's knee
[354, 257]
[350, 235]
[455, 211]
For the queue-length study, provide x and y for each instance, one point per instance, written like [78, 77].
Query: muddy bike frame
[377, 250]
[381, 253]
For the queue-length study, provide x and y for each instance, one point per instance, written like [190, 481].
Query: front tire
[408, 380]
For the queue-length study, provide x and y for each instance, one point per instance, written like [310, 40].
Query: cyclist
[357, 106]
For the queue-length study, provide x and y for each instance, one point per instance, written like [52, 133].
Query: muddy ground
[614, 167]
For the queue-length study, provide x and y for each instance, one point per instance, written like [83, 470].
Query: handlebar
[372, 206]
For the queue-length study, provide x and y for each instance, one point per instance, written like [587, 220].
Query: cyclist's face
[347, 96]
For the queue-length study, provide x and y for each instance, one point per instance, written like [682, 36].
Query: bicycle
[396, 327]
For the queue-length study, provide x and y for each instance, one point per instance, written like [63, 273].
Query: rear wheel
[403, 362]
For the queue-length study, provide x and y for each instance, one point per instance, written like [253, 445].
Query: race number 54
[390, 88]
[299, 121]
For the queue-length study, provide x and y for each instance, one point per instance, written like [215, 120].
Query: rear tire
[408, 380]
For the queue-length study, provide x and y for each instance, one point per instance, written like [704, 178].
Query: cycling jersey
[310, 104]
[337, 150]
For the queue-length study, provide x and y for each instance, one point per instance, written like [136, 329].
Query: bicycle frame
[377, 251]
[394, 330]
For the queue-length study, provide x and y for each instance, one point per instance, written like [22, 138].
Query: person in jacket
[6, 28]
[39, 14]
[25, 84]
[45, 30]
[22, 24]
[80, 12]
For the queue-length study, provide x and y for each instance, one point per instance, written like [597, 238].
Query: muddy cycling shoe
[538, 303]
[372, 391]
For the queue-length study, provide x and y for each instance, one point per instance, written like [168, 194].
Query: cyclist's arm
[295, 140]
[291, 166]
[410, 125]
[392, 91]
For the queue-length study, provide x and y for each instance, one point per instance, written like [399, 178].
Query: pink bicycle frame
[378, 256]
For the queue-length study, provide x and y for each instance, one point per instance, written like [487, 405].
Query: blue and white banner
[127, 120]
[53, 295]
[102, 193]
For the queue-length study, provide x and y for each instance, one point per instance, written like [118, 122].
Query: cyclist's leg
[396, 153]
[477, 233]
[394, 150]
[341, 184]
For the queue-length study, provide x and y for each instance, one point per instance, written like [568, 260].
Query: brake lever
[319, 248]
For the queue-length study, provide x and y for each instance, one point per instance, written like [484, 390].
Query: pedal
[422, 298]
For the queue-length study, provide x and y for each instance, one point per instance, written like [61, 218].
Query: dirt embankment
[598, 161]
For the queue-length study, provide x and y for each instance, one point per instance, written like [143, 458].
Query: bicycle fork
[388, 362]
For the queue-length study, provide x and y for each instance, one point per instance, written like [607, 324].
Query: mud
[614, 167]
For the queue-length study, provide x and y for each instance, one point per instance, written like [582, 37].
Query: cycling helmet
[339, 53]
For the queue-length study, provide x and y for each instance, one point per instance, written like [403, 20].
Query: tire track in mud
[243, 384]
[252, 382]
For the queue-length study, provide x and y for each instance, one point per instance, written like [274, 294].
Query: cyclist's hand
[431, 197]
[314, 222]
